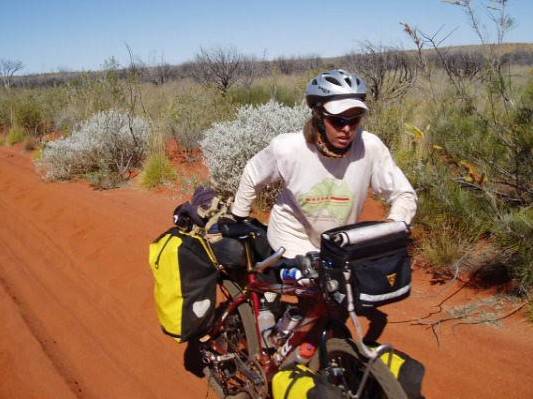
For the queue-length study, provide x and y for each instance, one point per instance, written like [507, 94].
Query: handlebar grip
[260, 267]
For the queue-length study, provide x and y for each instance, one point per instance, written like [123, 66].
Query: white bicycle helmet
[336, 91]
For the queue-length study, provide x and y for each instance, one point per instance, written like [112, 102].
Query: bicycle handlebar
[260, 267]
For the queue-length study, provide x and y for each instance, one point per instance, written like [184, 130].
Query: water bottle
[286, 324]
[302, 354]
[266, 321]
[292, 274]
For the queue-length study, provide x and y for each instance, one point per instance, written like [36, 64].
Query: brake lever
[305, 263]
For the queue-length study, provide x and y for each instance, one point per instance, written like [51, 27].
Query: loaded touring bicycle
[250, 338]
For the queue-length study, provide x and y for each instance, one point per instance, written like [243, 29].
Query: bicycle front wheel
[346, 369]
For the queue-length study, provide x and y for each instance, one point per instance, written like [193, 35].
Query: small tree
[7, 69]
[223, 67]
[388, 72]
[161, 72]
[465, 65]
[503, 23]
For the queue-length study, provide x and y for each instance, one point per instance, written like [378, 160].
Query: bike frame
[313, 317]
[316, 327]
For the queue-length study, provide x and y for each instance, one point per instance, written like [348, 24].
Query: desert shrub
[5, 114]
[30, 143]
[514, 232]
[31, 110]
[443, 248]
[109, 142]
[472, 171]
[91, 93]
[387, 120]
[260, 93]
[29, 115]
[187, 183]
[227, 146]
[192, 112]
[15, 135]
[452, 217]
[286, 95]
[249, 95]
[103, 178]
[157, 170]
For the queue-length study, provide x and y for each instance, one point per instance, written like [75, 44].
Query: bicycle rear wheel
[240, 376]
[346, 371]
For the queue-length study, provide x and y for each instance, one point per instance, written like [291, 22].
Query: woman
[325, 170]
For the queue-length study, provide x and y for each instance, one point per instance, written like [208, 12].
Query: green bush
[472, 171]
[157, 170]
[263, 92]
[15, 135]
[387, 121]
[5, 113]
[514, 233]
[192, 112]
[444, 248]
[29, 115]
[252, 95]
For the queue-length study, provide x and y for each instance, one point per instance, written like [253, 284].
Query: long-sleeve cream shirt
[320, 193]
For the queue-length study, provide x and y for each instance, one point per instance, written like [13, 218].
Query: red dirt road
[77, 317]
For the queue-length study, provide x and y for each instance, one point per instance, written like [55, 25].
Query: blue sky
[48, 35]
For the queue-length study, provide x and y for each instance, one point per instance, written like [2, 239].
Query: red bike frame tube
[252, 279]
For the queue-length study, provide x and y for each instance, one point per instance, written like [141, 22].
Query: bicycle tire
[381, 383]
[247, 318]
[246, 322]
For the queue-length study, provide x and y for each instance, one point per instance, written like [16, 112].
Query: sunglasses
[338, 122]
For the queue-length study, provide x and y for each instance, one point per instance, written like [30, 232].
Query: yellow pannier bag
[185, 283]
[408, 371]
[301, 382]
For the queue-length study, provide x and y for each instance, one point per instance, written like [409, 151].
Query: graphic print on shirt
[329, 199]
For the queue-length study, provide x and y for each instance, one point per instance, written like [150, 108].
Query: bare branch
[7, 69]
[223, 67]
[389, 72]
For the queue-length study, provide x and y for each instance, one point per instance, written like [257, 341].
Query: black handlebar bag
[380, 267]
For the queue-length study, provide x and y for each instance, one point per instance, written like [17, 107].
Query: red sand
[78, 319]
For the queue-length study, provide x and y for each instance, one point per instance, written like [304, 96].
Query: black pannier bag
[230, 251]
[381, 266]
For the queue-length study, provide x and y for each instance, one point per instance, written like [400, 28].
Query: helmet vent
[314, 82]
[349, 81]
[358, 81]
[332, 80]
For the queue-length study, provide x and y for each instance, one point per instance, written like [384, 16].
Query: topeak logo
[392, 279]
[325, 91]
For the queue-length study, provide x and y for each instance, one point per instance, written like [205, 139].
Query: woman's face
[341, 128]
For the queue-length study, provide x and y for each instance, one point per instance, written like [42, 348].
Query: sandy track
[77, 315]
[74, 266]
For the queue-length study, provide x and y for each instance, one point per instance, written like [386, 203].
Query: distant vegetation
[458, 120]
[520, 54]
